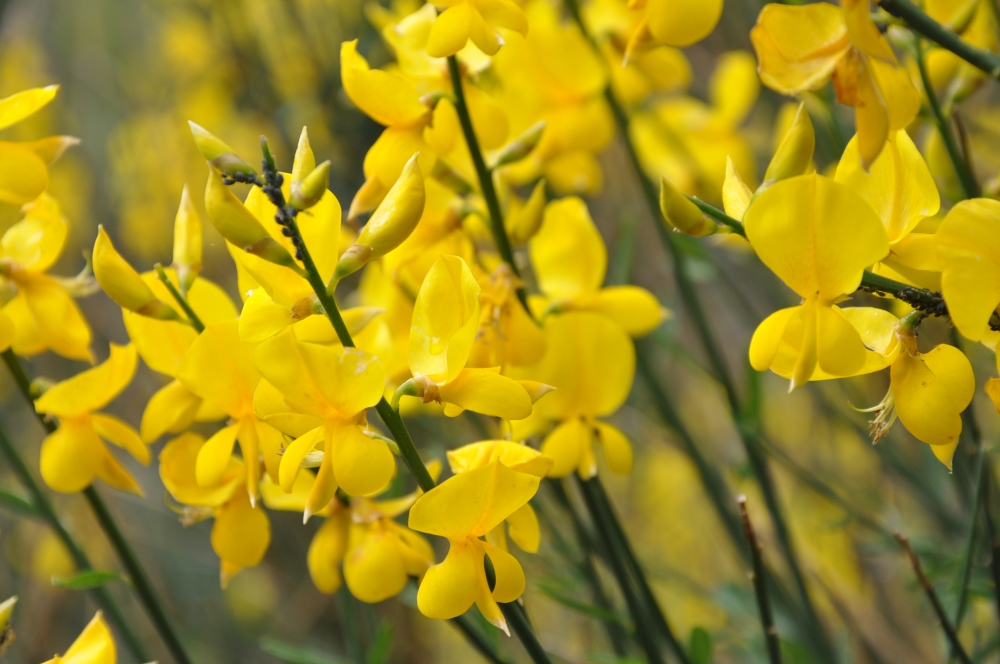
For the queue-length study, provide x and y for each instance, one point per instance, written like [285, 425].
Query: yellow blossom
[93, 646]
[478, 20]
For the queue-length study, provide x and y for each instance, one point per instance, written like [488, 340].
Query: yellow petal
[509, 575]
[635, 309]
[177, 471]
[57, 318]
[566, 445]
[213, 457]
[523, 528]
[20, 105]
[92, 389]
[472, 503]
[839, 348]
[112, 473]
[798, 47]
[293, 455]
[219, 368]
[733, 86]
[450, 588]
[386, 98]
[736, 195]
[817, 235]
[241, 534]
[767, 337]
[269, 405]
[374, 568]
[121, 434]
[684, 22]
[94, 645]
[968, 242]
[898, 186]
[617, 448]
[23, 174]
[7, 331]
[482, 34]
[930, 391]
[36, 241]
[71, 457]
[119, 279]
[445, 320]
[568, 252]
[486, 391]
[325, 553]
[515, 456]
[361, 465]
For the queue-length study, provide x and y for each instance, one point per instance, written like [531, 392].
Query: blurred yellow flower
[93, 646]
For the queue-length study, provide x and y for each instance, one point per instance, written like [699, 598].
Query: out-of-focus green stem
[137, 574]
[760, 586]
[44, 507]
[477, 640]
[179, 298]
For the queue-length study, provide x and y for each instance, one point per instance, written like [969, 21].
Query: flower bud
[307, 192]
[682, 215]
[123, 284]
[521, 146]
[525, 222]
[795, 152]
[6, 610]
[218, 154]
[238, 225]
[391, 223]
[187, 242]
[304, 161]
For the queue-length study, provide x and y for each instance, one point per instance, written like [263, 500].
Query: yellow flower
[218, 367]
[507, 335]
[43, 311]
[570, 260]
[522, 525]
[75, 454]
[463, 509]
[24, 172]
[800, 47]
[818, 236]
[241, 532]
[477, 20]
[93, 646]
[123, 284]
[336, 386]
[590, 361]
[968, 242]
[446, 319]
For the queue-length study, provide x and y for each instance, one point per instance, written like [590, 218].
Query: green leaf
[87, 579]
[595, 612]
[701, 646]
[17, 504]
[378, 651]
[295, 654]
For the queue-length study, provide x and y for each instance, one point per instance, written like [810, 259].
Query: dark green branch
[181, 301]
[760, 586]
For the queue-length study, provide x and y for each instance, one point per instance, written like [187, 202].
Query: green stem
[182, 302]
[645, 631]
[144, 589]
[485, 176]
[920, 22]
[477, 640]
[991, 533]
[517, 620]
[760, 586]
[44, 507]
[965, 177]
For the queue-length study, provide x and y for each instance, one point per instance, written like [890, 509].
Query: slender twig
[760, 586]
[517, 619]
[477, 640]
[918, 21]
[965, 177]
[991, 533]
[615, 559]
[137, 574]
[485, 176]
[44, 507]
[182, 302]
[946, 625]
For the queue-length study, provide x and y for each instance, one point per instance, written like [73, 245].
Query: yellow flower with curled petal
[818, 236]
[464, 509]
[522, 525]
[75, 453]
[43, 311]
[93, 646]
[476, 20]
[801, 47]
[967, 245]
[241, 533]
[336, 386]
[508, 336]
[570, 260]
[24, 172]
[446, 318]
[899, 187]
[590, 361]
[218, 367]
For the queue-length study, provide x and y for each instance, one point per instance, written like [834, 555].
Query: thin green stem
[918, 21]
[182, 302]
[991, 533]
[760, 586]
[140, 581]
[517, 620]
[969, 186]
[477, 640]
[44, 507]
[485, 176]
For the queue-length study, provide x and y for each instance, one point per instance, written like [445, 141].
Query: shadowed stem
[42, 505]
[918, 21]
[485, 176]
[990, 491]
[137, 575]
[925, 583]
[760, 586]
[477, 640]
[965, 177]
[182, 302]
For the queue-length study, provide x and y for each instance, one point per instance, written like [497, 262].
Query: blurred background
[132, 72]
